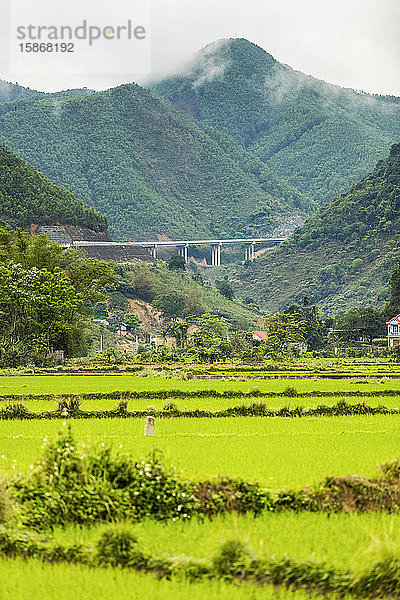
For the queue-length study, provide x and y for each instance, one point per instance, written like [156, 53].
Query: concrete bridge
[183, 246]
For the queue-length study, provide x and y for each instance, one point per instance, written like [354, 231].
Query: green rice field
[84, 384]
[274, 452]
[278, 453]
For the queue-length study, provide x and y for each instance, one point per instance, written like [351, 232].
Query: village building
[393, 335]
[260, 336]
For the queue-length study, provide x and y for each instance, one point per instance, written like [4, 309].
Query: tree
[39, 310]
[171, 304]
[178, 331]
[177, 263]
[226, 289]
[207, 329]
[45, 296]
[132, 322]
[284, 330]
[316, 329]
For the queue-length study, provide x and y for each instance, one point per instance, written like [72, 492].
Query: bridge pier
[249, 252]
[153, 251]
[184, 251]
[216, 255]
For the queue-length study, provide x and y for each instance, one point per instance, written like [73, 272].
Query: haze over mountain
[150, 168]
[11, 92]
[343, 256]
[28, 197]
[319, 136]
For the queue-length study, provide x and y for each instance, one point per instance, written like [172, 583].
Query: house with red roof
[393, 334]
[260, 336]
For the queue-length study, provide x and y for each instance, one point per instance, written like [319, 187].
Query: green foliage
[392, 307]
[157, 171]
[316, 328]
[226, 289]
[318, 136]
[69, 487]
[171, 304]
[232, 560]
[44, 297]
[178, 295]
[27, 197]
[284, 330]
[177, 263]
[367, 322]
[38, 310]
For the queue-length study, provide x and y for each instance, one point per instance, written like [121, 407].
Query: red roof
[396, 318]
[262, 335]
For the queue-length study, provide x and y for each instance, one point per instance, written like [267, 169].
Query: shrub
[118, 548]
[69, 487]
[232, 560]
[231, 495]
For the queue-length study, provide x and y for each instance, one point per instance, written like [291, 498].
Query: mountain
[28, 197]
[322, 138]
[343, 256]
[150, 168]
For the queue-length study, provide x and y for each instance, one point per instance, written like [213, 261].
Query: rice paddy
[277, 453]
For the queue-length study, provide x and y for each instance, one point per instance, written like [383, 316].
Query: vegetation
[343, 257]
[157, 171]
[45, 295]
[321, 137]
[27, 197]
[177, 295]
[204, 448]
[13, 91]
[87, 505]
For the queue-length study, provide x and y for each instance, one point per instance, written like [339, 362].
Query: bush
[69, 487]
[118, 548]
[231, 495]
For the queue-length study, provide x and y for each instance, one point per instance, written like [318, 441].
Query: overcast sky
[353, 43]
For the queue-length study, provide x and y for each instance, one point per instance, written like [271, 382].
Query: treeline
[45, 298]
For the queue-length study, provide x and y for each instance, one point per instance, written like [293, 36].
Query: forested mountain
[149, 167]
[343, 256]
[27, 197]
[321, 137]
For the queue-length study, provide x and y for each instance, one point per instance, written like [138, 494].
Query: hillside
[149, 167]
[319, 136]
[162, 289]
[28, 197]
[343, 256]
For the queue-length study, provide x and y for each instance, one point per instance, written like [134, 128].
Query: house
[393, 334]
[260, 336]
